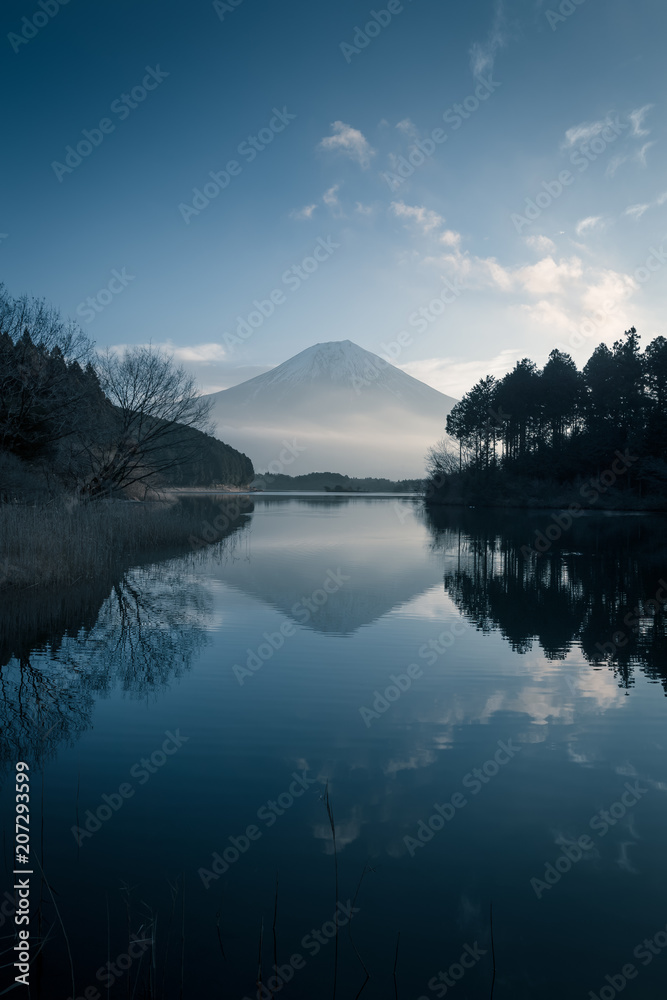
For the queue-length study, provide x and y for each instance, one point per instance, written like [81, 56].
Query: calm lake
[491, 726]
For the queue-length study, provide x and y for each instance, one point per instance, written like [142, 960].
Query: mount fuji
[333, 407]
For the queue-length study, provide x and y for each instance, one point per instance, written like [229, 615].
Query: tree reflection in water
[134, 630]
[597, 587]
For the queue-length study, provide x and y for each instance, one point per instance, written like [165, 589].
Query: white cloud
[330, 196]
[579, 134]
[332, 201]
[584, 132]
[363, 209]
[198, 353]
[349, 141]
[640, 155]
[483, 54]
[615, 163]
[541, 244]
[548, 277]
[554, 295]
[590, 222]
[408, 127]
[425, 218]
[450, 238]
[636, 211]
[427, 221]
[206, 354]
[304, 213]
[455, 377]
[547, 314]
[597, 299]
[637, 120]
[606, 292]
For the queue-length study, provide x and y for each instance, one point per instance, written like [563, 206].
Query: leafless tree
[45, 325]
[442, 460]
[156, 405]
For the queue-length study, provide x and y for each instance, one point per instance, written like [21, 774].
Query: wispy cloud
[554, 295]
[428, 222]
[425, 218]
[408, 127]
[584, 132]
[632, 126]
[350, 142]
[483, 54]
[455, 377]
[615, 163]
[637, 120]
[636, 211]
[640, 155]
[541, 244]
[332, 201]
[330, 197]
[203, 354]
[450, 238]
[304, 213]
[546, 277]
[590, 222]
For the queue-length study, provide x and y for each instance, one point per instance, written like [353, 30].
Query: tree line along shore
[595, 437]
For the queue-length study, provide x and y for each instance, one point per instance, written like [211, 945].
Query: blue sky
[569, 87]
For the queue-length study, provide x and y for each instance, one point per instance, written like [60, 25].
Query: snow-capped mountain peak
[354, 412]
[335, 360]
[339, 363]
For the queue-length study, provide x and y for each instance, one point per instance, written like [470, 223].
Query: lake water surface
[491, 727]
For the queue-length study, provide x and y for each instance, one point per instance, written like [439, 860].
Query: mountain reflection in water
[92, 680]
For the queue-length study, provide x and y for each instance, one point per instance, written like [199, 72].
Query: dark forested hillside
[205, 461]
[522, 438]
[59, 429]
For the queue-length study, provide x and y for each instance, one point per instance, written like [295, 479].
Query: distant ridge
[336, 482]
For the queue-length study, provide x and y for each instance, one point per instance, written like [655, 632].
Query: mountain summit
[342, 408]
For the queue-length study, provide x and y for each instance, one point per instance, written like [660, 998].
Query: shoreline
[581, 508]
[205, 491]
[61, 544]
